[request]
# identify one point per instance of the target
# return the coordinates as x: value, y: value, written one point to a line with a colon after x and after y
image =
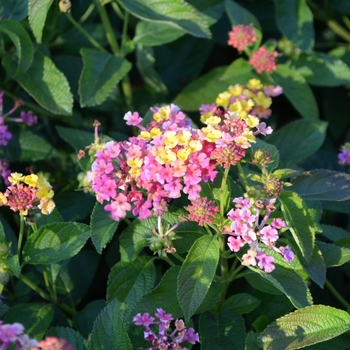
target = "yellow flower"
x: 31, y: 180
x: 155, y: 132
x: 211, y: 134
x: 205, y: 116
x: 163, y: 113
x: 44, y: 189
x: 261, y: 100
x: 223, y: 99
x: 183, y: 153
x: 195, y: 145
x: 16, y: 178
x: 251, y: 120
x: 145, y: 135
x: 170, y: 139
x: 235, y: 90
x: 214, y: 120
x: 254, y: 84
x: 184, y: 137
x: 46, y: 206
x: 165, y: 156
x: 135, y: 162
x: 3, y: 199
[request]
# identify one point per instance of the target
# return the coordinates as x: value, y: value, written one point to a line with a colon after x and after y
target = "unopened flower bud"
x: 65, y: 6
x: 261, y: 157
x: 273, y: 187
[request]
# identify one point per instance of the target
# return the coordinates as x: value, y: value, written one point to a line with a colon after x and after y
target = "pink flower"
x: 118, y: 207
x: 202, y: 211
x: 263, y: 60
x: 273, y: 91
x: 132, y: 119
x: 235, y: 244
x: 241, y: 36
x: 265, y: 262
x: 143, y: 320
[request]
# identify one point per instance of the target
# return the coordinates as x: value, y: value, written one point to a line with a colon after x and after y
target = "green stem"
x: 47, y: 284
x: 178, y: 257
x: 337, y: 295
x: 117, y: 10
x: 127, y: 221
x: 87, y: 13
x: 223, y: 193
x: 20, y: 236
x: 224, y: 270
x: 108, y: 28
x: 85, y: 33
x: 167, y: 259
x: 125, y: 32
x: 242, y: 176
x: 207, y: 229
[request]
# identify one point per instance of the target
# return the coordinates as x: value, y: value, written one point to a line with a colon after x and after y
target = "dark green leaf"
x: 334, y: 254
x: 12, y: 264
x: 334, y: 233
x: 299, y: 223
x: 308, y: 326
x: 45, y: 83
x: 14, y: 9
x: 297, y: 91
x: 109, y: 330
x: 101, y: 73
x: 22, y: 42
x: 55, y: 242
x: 197, y: 273
x: 238, y: 68
x: 298, y: 140
x: 176, y: 12
x: 325, y: 185
x: 295, y: 21
x: 102, y: 227
x: 35, y: 317
x: 241, y: 303
x: 225, y: 331
x: 316, y: 268
x: 37, y: 15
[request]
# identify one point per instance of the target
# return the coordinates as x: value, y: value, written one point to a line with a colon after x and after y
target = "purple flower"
x: 265, y: 262
x: 143, y: 320
x: 344, y: 157
x: 287, y: 253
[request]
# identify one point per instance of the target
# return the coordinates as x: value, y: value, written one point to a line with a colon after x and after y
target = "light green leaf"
x: 237, y: 15
x: 12, y: 264
x: 322, y: 70
x: 22, y: 42
x: 55, y: 242
x: 101, y: 73
x: 37, y: 15
x: 321, y: 184
x: 239, y: 67
x: 35, y: 317
x: 197, y: 273
x: 102, y: 227
x: 109, y: 330
x: 45, y: 83
x: 27, y: 146
x: 14, y: 9
x: 298, y: 140
x: 130, y: 281
x: 74, y: 338
x: 300, y: 224
x: 295, y: 21
x: 225, y: 331
x: 308, y: 326
x: 175, y: 12
x: 296, y: 89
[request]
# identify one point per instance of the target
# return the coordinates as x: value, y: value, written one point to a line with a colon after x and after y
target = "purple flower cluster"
x: 163, y: 340
x: 344, y: 155
x: 13, y: 334
x: 246, y: 228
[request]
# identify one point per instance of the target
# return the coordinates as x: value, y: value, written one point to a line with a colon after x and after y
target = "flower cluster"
x: 202, y: 210
x: 163, y: 340
x: 13, y: 334
x: 344, y: 155
x: 246, y: 229
x: 241, y: 36
x: 263, y: 60
x: 28, y: 192
x: 53, y: 343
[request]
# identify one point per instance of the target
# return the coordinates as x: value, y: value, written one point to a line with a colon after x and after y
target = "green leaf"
x: 300, y: 224
x: 321, y: 184
x: 55, y: 242
x: 14, y: 9
x: 316, y: 269
x: 2, y: 233
x: 298, y: 140
x: 322, y: 70
x: 27, y: 146
x: 156, y: 33
x: 297, y: 91
x: 109, y: 330
x: 130, y: 281
x: 197, y: 273
x: 334, y: 233
x: 73, y: 337
x: 102, y: 227
x: 295, y: 21
x: 308, y: 326
x: 289, y: 283
x: 84, y: 319
x: 225, y: 331
x: 241, y: 303
x: 35, y: 317
x: 37, y: 12
x: 163, y: 296
x: 237, y: 15
x: 239, y: 67
x: 45, y: 83
x: 145, y: 64
x: 22, y: 42
x: 101, y: 73
x: 334, y: 254
x: 12, y: 264
x: 176, y: 12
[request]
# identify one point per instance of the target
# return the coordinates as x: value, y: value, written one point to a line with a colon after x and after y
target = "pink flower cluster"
x: 13, y: 334
x: 162, y: 340
x: 241, y: 36
x: 53, y: 343
x: 344, y: 155
x: 202, y: 210
x: 263, y: 60
x: 246, y: 228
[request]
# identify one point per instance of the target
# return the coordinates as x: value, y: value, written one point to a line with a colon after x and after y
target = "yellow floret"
x: 261, y: 100
x: 135, y: 162
x: 170, y: 139
x: 235, y: 90
x: 31, y: 180
x: 183, y: 153
x: 251, y: 120
x: 184, y: 137
x: 195, y: 145
x: 162, y: 114
x: 145, y: 135
x: 211, y: 134
x: 214, y: 120
x: 254, y: 84
x: 44, y: 189
x: 223, y: 99
x: 155, y: 132
x: 16, y: 178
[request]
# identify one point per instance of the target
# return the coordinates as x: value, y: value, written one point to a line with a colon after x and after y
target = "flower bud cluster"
x: 28, y: 192
x: 161, y: 339
x: 247, y: 229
